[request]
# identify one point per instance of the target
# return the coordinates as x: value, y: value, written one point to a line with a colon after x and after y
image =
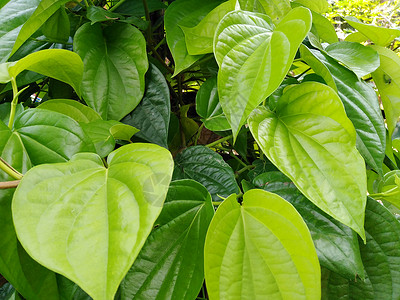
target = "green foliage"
x: 269, y: 124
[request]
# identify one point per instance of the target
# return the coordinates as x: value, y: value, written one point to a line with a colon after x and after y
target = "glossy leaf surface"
x: 387, y: 80
x: 381, y: 258
x: 358, y: 58
x: 276, y: 9
x: 324, y: 28
x: 115, y: 63
x: 12, y: 16
x: 199, y: 39
x: 361, y: 104
x: 104, y: 215
x: 388, y: 188
x: 181, y: 13
x: 209, y: 108
x: 174, y: 247
x: 57, y: 27
x: 260, y: 249
x: 336, y: 244
x: 311, y: 140
x: 381, y: 36
x: 151, y: 116
x: 99, y: 133
x: 208, y: 168
x: 244, y: 46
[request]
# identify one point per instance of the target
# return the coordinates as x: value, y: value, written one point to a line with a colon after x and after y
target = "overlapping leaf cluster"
x: 197, y: 150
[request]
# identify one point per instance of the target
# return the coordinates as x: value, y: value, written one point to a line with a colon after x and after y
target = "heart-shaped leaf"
x: 115, y: 63
x: 360, y: 59
x: 381, y: 258
x: 181, y: 13
x: 381, y: 36
x: 260, y: 249
x: 12, y: 16
x: 326, y: 168
x: 276, y: 9
x: 336, y: 244
x: 89, y: 222
x: 387, y: 80
x: 361, y: 104
x: 254, y: 58
x: 151, y: 116
x: 209, y: 108
x: 174, y: 247
x: 208, y: 168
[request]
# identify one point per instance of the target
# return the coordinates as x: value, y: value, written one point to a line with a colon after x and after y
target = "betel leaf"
x: 115, y: 63
x: 324, y: 28
x: 71, y: 108
x: 357, y: 37
x: 326, y: 168
x: 209, y: 108
x: 99, y: 133
x: 381, y: 258
x: 5, y: 109
x: 12, y: 16
x: 250, y: 5
x: 388, y: 188
x: 98, y: 14
x: 361, y: 104
x: 276, y: 9
x: 136, y: 8
x: 254, y: 58
x: 88, y: 222
x: 174, y: 247
x: 57, y: 27
x: 199, y: 39
x: 64, y: 137
x: 69, y: 290
x: 336, y: 244
x: 208, y: 168
x: 381, y: 36
x: 59, y: 64
x: 151, y: 116
x: 319, y: 6
x: 43, y: 12
x: 387, y: 80
x: 260, y: 249
x: 181, y: 13
x: 360, y: 59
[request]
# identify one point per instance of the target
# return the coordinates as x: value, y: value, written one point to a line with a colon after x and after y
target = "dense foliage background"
x: 186, y: 149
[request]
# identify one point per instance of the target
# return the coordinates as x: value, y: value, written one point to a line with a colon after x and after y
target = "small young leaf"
x: 89, y: 222
x: 174, y: 247
x: 326, y: 168
x: 260, y: 249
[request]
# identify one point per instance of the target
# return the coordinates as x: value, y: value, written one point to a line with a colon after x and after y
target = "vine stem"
x: 10, y: 170
x: 219, y: 141
x: 244, y: 169
x: 9, y: 184
x: 14, y: 102
x: 116, y: 5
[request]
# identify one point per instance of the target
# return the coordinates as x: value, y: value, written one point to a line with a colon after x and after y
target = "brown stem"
x: 9, y: 184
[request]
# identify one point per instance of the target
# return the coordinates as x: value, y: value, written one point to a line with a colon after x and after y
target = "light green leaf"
x: 89, y: 222
x: 43, y: 12
x: 326, y: 168
x: 99, y: 132
x: 324, y: 28
x: 59, y: 64
x: 151, y: 116
x: 209, y: 108
x: 276, y: 9
x: 356, y: 37
x: 12, y: 16
x: 250, y: 5
x: 115, y: 62
x: 123, y: 132
x: 319, y: 6
x: 181, y: 13
x: 387, y: 80
x: 244, y: 46
x: 361, y: 104
x: 71, y: 108
x: 336, y: 244
x: 64, y: 137
x: 174, y: 247
x: 57, y: 27
x: 388, y: 188
x: 199, y: 39
x: 358, y: 58
x: 381, y: 36
x: 208, y: 168
x: 260, y: 249
x: 381, y: 258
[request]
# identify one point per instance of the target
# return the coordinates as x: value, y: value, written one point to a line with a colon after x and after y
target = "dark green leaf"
x: 361, y: 104
x: 115, y: 62
x: 135, y: 8
x: 174, y: 247
x: 57, y: 27
x: 5, y: 109
x: 99, y: 14
x: 151, y: 116
x: 69, y: 290
x: 336, y: 244
x: 208, y: 168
